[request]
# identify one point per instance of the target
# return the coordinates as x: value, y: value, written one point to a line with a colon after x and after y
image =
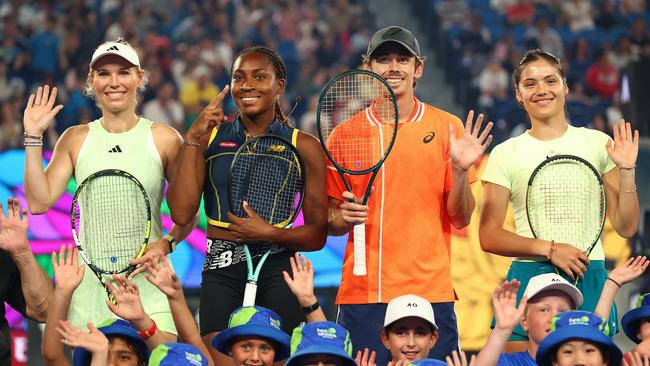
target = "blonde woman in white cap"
x: 119, y: 139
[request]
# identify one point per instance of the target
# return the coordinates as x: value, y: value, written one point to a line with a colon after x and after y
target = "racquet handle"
x: 359, y: 250
x: 250, y: 293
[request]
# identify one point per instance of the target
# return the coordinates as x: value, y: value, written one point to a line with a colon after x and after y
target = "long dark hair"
x: 280, y: 72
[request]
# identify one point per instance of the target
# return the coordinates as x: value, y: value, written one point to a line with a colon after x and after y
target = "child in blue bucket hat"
x: 177, y: 354
x: 325, y: 342
x: 636, y: 322
x: 253, y: 331
x: 578, y: 336
x: 114, y: 330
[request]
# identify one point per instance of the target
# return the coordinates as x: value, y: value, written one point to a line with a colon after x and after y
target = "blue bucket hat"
x: 254, y: 321
x: 428, y: 362
x: 581, y: 325
x: 110, y: 327
x: 172, y: 354
x: 632, y: 319
x: 321, y: 338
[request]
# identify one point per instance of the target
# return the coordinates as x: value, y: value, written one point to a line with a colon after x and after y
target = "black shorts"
x: 222, y: 291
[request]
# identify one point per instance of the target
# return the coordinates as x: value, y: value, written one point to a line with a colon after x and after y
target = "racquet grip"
x: 249, y: 294
x: 359, y: 250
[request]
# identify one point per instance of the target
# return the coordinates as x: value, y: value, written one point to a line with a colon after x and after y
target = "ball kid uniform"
x: 135, y: 152
x: 510, y: 165
x: 225, y: 270
x: 407, y: 231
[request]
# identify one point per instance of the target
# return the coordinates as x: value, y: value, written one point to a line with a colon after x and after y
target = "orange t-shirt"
x: 408, y: 230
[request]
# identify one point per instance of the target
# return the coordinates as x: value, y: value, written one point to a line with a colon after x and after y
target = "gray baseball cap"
x: 394, y: 34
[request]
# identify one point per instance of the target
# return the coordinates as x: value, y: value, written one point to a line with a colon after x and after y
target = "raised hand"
x: 68, y: 273
x: 635, y: 359
x: 13, y: 228
x: 467, y: 149
x: 504, y: 301
x: 127, y: 296
x: 570, y: 260
x: 630, y: 270
x: 164, y: 278
x: 456, y: 360
x: 302, y: 283
x: 94, y: 341
x: 40, y: 111
x: 251, y: 229
x: 365, y: 359
x: 625, y: 148
x: 210, y: 117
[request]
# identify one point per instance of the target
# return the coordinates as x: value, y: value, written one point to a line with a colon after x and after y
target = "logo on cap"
x: 412, y: 304
x: 329, y: 333
x: 113, y: 48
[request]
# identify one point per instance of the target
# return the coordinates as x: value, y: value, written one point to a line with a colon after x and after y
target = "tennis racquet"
x: 565, y: 202
x: 357, y: 125
x: 111, y: 222
x: 268, y: 173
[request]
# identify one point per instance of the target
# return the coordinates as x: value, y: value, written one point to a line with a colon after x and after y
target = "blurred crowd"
x: 186, y: 47
x: 481, y: 41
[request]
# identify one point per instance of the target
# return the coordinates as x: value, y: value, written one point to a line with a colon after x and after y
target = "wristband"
x: 616, y: 283
x: 311, y: 308
x: 171, y: 241
x: 189, y: 143
x: 34, y: 137
x: 145, y: 334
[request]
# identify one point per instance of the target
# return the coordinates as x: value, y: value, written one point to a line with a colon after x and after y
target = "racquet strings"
x: 361, y: 143
x: 267, y: 175
x: 110, y: 217
x: 566, y: 203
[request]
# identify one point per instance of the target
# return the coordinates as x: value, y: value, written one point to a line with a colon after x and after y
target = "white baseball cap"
x: 553, y: 281
x: 121, y: 49
x: 409, y: 305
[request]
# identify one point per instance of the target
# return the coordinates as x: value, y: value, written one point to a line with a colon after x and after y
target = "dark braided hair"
x: 280, y: 72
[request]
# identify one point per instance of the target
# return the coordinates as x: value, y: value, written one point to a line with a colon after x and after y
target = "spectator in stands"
x: 632, y: 7
x: 622, y: 53
x: 165, y: 108
x: 77, y: 108
x: 522, y: 12
x: 493, y: 83
x: 579, y: 60
x: 24, y: 285
x: 545, y: 37
x: 44, y: 48
x: 639, y: 38
x: 198, y: 91
x: 602, y: 77
x: 607, y: 16
x: 579, y: 15
x: 453, y: 13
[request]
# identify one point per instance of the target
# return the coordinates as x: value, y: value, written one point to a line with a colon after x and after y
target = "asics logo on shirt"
x: 116, y: 149
x: 429, y: 137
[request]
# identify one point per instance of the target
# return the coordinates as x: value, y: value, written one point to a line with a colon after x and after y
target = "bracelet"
x: 616, y: 283
x: 628, y: 167
x: 190, y: 143
x: 35, y: 137
x: 550, y: 252
x: 171, y: 241
x: 311, y: 308
x: 633, y: 190
x: 32, y: 143
x: 149, y: 332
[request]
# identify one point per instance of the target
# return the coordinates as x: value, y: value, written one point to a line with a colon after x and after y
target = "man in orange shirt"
x: 421, y: 190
